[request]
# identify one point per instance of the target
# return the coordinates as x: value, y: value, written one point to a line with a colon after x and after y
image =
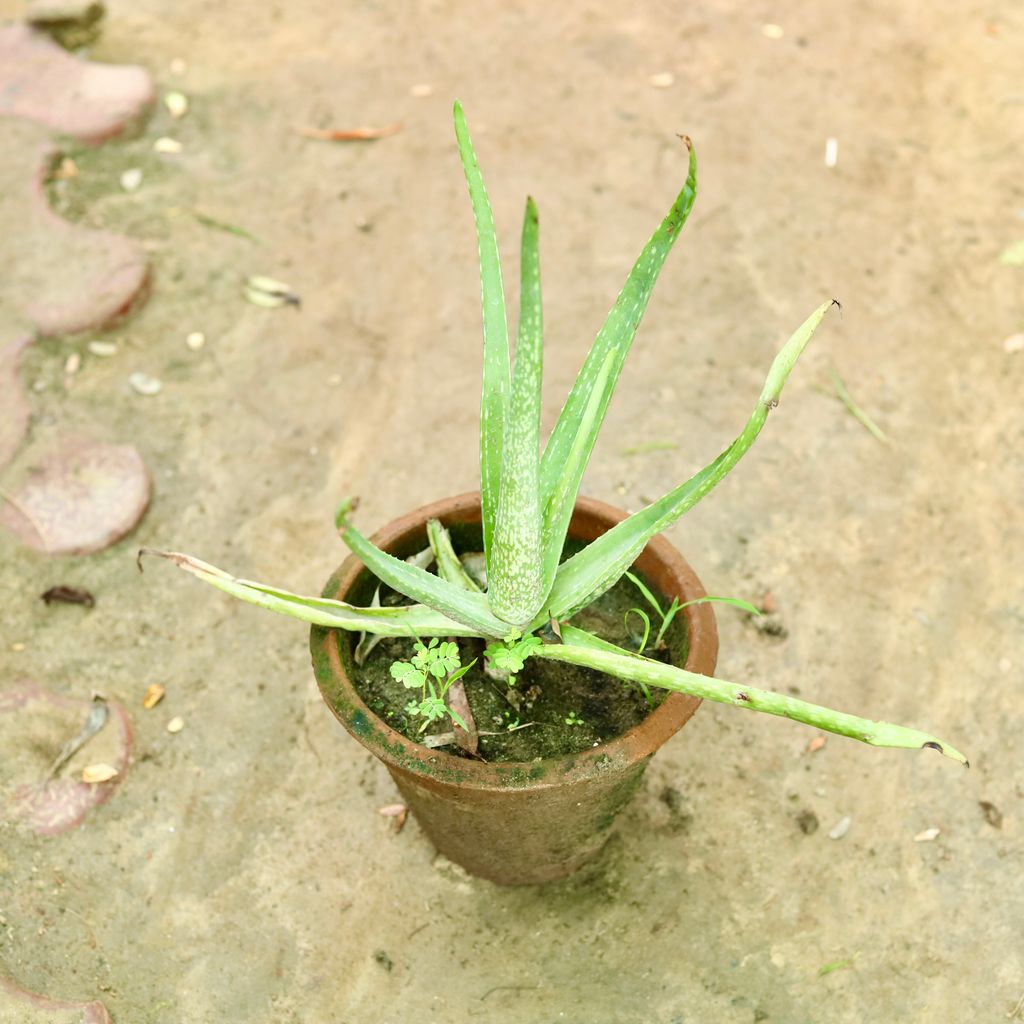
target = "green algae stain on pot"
x: 360, y: 725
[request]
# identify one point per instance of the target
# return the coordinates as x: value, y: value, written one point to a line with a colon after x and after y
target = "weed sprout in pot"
x: 515, y: 657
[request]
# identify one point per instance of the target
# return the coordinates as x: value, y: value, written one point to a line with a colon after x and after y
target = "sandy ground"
x: 242, y: 872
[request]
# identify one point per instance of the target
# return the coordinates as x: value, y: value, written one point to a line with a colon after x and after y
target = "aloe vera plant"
x: 528, y: 495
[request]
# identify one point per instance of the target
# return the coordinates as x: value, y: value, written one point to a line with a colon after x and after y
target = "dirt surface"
x: 242, y: 872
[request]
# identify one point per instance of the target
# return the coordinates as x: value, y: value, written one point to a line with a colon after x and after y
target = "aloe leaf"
x: 406, y: 620
x: 496, y: 355
x: 515, y: 592
x: 578, y: 649
x: 448, y: 565
x: 589, y: 573
x: 471, y: 609
x: 614, y: 339
x: 560, y: 504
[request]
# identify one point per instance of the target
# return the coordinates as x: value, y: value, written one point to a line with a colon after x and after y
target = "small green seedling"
x: 528, y: 495
x: 573, y: 719
x: 666, y: 617
x: 432, y: 669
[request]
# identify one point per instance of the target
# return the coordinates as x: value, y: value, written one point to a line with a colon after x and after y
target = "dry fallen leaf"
x: 349, y: 134
x: 816, y: 744
x: 154, y: 694
x: 99, y: 773
x: 176, y: 724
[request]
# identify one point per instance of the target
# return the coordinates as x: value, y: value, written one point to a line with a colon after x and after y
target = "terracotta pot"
x: 514, y: 823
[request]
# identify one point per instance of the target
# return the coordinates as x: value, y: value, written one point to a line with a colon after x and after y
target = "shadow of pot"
x: 515, y: 823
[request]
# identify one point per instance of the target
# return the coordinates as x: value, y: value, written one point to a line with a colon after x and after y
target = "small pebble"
x: 103, y: 349
x: 176, y: 724
x: 927, y: 835
x: 1005, y: 665
x: 131, y: 179
x: 662, y: 80
x: 67, y: 169
x: 922, y: 616
x: 176, y: 104
x: 94, y: 773
x: 166, y: 145
x: 831, y: 152
x: 1014, y: 343
x: 72, y: 364
x: 17, y: 646
x: 196, y: 340
x: 772, y: 31
x: 841, y: 827
x: 144, y: 384
x: 178, y: 66
x: 421, y: 89
x: 334, y: 379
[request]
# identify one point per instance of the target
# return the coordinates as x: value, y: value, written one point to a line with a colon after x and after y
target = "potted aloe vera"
x: 463, y: 625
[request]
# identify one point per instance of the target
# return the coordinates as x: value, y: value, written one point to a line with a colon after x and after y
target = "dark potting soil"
x: 554, y: 709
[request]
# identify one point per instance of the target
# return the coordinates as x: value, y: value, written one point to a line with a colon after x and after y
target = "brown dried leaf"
x: 350, y: 134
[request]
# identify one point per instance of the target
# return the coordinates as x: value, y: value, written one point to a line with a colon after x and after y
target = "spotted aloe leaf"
x: 588, y: 574
x: 496, y: 353
x: 516, y: 594
x: 580, y: 648
x: 568, y: 449
x: 405, y: 620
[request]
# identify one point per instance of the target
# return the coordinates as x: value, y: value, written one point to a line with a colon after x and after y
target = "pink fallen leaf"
x: 816, y: 743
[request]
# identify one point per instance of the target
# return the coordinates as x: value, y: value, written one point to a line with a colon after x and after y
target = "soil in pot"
x: 554, y: 709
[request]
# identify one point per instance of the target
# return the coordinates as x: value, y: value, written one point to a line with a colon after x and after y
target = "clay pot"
x: 513, y: 823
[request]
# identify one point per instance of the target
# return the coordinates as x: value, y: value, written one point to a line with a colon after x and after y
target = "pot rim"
x: 636, y: 744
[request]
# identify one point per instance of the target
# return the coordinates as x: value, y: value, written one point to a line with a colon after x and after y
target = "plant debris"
x: 222, y: 225
x: 841, y: 827
x: 265, y: 291
x: 195, y: 341
x: 349, y: 134
x: 103, y: 349
x: 144, y: 384
x: 855, y: 410
x: 992, y: 814
x: 468, y: 738
x: 154, y: 694
x: 397, y: 812
x: 176, y: 724
x: 927, y: 836
x: 167, y: 145
x: 95, y: 720
x: 94, y: 773
x: 836, y: 965
x: 68, y: 595
x: 817, y: 742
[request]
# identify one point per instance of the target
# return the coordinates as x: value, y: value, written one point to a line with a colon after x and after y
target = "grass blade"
x: 496, y: 355
x: 407, y: 620
x: 588, y: 574
x: 471, y: 609
x: 448, y: 565
x: 515, y: 593
x: 578, y: 649
x: 613, y: 340
x: 854, y: 409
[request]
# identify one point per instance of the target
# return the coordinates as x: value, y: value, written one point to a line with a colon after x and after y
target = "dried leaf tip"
x: 687, y: 141
x: 345, y: 508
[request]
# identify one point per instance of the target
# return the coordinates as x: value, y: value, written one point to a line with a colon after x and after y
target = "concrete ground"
x: 241, y: 871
